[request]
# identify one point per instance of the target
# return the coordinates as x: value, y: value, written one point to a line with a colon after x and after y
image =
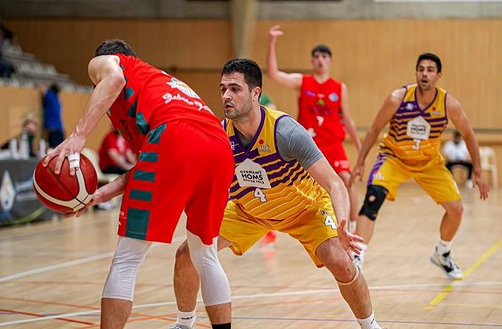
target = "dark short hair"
x: 114, y: 46
x: 54, y: 87
x: 250, y: 70
x: 321, y: 49
x: 431, y: 57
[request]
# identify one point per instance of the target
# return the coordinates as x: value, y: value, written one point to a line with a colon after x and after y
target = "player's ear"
x: 256, y: 93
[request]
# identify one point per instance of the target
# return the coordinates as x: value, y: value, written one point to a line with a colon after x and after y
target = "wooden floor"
x: 51, y: 274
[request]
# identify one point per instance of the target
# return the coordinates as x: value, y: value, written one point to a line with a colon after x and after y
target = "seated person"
x: 31, y: 128
x: 456, y: 154
x: 115, y: 155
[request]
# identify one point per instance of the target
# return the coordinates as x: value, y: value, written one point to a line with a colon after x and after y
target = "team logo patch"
x: 333, y: 97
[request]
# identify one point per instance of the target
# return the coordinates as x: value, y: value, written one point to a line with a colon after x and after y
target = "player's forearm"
x: 472, y: 146
x: 272, y: 66
x: 369, y: 141
x: 351, y: 130
x: 116, y: 187
x: 102, y: 98
x: 340, y: 199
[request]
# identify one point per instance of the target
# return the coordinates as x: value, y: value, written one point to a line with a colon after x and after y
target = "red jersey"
x: 320, y: 110
x: 152, y: 97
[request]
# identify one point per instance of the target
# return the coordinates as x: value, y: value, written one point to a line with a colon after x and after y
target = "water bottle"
x: 24, y: 149
x: 42, y: 148
x: 13, y: 148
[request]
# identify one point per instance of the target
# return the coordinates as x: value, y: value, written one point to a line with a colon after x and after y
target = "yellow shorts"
x: 435, y: 179
x: 311, y: 227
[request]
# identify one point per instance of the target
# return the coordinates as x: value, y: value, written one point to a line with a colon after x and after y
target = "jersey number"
x: 258, y: 193
x: 328, y: 221
x: 320, y: 120
x: 416, y: 146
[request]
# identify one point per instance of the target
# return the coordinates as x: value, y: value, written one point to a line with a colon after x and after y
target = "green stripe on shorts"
x: 146, y: 176
x: 141, y: 195
x: 149, y: 157
x: 154, y: 135
x: 137, y: 223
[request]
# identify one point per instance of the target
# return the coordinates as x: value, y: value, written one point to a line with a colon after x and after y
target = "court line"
x: 41, y: 315
x: 56, y: 266
x: 449, y: 288
x: 249, y: 296
x: 456, y: 324
x: 69, y: 264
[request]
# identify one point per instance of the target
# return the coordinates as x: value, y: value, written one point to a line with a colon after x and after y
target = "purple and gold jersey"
x: 414, y: 134
x: 266, y: 186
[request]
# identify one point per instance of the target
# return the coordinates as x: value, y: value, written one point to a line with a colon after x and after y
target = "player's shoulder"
x: 397, y: 95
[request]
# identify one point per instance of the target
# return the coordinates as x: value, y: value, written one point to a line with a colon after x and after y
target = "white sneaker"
x: 181, y: 326
x: 446, y: 263
x: 358, y: 261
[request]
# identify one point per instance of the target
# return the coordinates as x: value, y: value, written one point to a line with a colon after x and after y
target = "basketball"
x: 65, y: 193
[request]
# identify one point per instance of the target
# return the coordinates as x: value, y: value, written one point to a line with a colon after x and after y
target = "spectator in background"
x: 115, y: 155
x: 53, y: 123
x: 6, y: 68
x: 30, y: 127
x: 456, y: 154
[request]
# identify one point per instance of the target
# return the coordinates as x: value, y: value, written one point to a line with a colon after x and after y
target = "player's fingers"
x: 59, y: 163
x: 49, y: 157
x: 356, y: 238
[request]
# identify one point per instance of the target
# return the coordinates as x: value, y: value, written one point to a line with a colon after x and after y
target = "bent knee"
x: 455, y: 209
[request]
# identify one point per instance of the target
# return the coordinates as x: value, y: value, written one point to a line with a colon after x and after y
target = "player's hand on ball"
x: 70, y: 146
x: 348, y: 241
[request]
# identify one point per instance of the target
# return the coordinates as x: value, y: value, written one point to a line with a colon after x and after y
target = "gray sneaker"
x: 181, y: 326
x: 446, y: 263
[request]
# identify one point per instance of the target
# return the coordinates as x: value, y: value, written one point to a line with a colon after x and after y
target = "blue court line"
x: 455, y: 324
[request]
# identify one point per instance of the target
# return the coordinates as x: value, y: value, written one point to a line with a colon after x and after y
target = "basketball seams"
x: 76, y: 200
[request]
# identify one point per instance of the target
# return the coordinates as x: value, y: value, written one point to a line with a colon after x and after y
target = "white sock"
x: 369, y: 322
x: 443, y: 247
x: 363, y: 247
x: 186, y: 318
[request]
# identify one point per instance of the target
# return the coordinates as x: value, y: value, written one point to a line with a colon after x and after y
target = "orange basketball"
x: 65, y: 193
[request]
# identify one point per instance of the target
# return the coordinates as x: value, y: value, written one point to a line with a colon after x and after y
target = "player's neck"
x: 321, y: 77
x: 249, y: 125
x: 426, y: 96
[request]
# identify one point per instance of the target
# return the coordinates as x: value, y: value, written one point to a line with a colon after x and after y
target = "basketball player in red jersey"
x: 323, y: 109
x: 185, y: 163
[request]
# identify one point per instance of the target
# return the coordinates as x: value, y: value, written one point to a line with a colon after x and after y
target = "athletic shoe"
x: 181, y: 326
x: 268, y: 241
x: 446, y: 263
x: 358, y: 261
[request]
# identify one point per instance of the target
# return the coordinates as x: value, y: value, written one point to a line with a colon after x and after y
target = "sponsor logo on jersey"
x: 183, y: 87
x: 263, y: 146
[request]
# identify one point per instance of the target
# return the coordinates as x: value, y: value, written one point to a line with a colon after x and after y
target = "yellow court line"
x: 446, y: 290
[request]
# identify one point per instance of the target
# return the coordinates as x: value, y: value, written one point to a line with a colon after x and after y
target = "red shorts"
x: 181, y: 167
x: 336, y: 156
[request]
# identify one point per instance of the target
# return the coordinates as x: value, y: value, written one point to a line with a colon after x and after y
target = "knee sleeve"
x: 121, y: 279
x: 375, y: 196
x: 213, y: 280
